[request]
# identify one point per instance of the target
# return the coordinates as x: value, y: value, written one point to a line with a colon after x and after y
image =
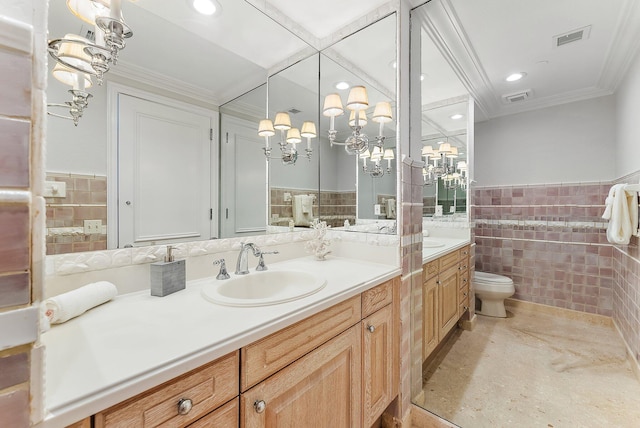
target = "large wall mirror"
x: 360, y: 184
x: 172, y: 76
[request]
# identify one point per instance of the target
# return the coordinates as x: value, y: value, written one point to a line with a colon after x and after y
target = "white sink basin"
x: 431, y: 243
x: 263, y: 288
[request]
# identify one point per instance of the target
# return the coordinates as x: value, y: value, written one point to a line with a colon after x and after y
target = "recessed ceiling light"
x: 457, y: 116
x: 514, y: 77
x: 342, y: 85
x: 205, y: 7
x: 422, y: 76
x: 393, y: 64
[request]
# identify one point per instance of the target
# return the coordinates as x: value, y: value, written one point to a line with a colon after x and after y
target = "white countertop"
x: 138, y: 341
x: 450, y: 244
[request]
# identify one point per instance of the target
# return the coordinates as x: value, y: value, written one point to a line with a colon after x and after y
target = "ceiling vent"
x: 517, y: 97
x: 572, y: 36
x: 294, y: 110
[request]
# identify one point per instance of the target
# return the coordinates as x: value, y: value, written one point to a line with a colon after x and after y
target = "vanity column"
x: 22, y: 66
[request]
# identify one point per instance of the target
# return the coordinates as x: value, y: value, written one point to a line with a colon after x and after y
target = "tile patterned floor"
x: 534, y: 370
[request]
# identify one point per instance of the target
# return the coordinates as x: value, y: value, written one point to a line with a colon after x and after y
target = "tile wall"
x: 551, y: 240
x: 21, y: 210
x: 85, y: 199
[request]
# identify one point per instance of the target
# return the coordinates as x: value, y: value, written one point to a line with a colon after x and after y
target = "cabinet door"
x: 430, y: 324
x: 377, y: 363
x: 223, y: 417
x: 321, y: 389
x: 448, y: 292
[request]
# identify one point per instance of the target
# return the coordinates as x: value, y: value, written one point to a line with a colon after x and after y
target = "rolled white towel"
x: 69, y: 305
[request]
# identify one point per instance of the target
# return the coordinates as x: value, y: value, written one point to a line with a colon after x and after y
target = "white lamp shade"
x: 71, y: 77
x: 366, y: 154
x: 73, y: 53
x: 462, y: 165
x: 382, y: 112
x: 283, y: 121
x: 362, y: 118
x: 308, y: 130
x: 453, y: 153
x: 358, y: 98
x: 293, y: 136
x: 265, y: 128
x: 388, y: 154
x: 377, y: 153
x: 88, y: 10
x: 427, y: 151
x: 332, y: 105
x: 444, y: 148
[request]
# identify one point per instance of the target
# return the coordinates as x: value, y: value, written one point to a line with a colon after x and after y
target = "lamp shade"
x: 293, y: 136
x: 444, y: 148
x: 88, y: 10
x: 388, y: 154
x: 462, y: 165
x: 453, y: 153
x: 377, y: 153
x: 366, y: 154
x: 362, y: 118
x: 265, y: 128
x: 71, y: 52
x: 382, y: 112
x: 283, y: 121
x: 358, y: 98
x: 308, y: 130
x: 427, y: 151
x: 71, y: 77
x: 332, y: 105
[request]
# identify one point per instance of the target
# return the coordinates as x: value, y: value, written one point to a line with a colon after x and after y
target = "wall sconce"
x: 443, y: 166
x: 289, y: 139
x: 85, y: 57
x: 357, y: 102
x: 376, y: 157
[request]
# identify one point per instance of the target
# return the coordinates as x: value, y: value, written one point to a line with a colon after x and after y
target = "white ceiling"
x: 480, y: 41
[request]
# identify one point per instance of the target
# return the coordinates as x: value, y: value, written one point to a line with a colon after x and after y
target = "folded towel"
x: 622, y: 213
x: 69, y: 305
x: 307, y: 204
x: 302, y: 210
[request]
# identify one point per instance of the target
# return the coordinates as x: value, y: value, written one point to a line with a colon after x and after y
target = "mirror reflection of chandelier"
x: 289, y: 137
x: 377, y: 156
x: 444, y: 166
x: 357, y: 103
x: 78, y: 58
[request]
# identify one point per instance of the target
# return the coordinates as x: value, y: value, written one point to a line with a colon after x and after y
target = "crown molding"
x: 624, y: 47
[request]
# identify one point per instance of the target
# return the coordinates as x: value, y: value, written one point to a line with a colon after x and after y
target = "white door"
x: 243, y: 189
x: 164, y: 174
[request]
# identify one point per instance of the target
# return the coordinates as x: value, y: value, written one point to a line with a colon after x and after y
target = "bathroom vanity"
x: 330, y: 358
x: 445, y: 293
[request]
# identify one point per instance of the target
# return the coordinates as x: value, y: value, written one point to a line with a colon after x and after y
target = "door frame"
x: 113, y: 91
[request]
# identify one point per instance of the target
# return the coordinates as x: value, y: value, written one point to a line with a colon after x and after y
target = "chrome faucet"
x: 242, y: 266
x: 391, y: 229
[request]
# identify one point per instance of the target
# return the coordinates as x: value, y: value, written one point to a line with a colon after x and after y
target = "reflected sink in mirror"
x: 431, y: 243
x: 262, y: 288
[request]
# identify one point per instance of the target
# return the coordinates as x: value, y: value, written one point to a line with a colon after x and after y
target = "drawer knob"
x: 464, y: 294
x: 259, y: 405
x: 184, y: 406
x: 371, y: 329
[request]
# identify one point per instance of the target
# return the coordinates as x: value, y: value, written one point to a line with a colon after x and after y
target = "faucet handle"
x: 223, y: 274
x: 261, y: 266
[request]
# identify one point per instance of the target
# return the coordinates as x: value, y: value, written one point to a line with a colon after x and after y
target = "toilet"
x: 491, y: 290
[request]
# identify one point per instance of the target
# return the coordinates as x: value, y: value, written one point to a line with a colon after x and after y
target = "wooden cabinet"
x: 337, y: 368
x: 444, y: 288
x: 321, y: 389
x: 378, y: 361
x: 180, y: 401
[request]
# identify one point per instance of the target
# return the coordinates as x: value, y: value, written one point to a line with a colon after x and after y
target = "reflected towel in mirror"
x: 303, y: 210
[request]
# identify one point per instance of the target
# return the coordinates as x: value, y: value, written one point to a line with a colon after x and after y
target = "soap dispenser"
x: 168, y: 276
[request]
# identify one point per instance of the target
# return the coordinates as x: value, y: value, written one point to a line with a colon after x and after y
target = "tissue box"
x: 168, y: 277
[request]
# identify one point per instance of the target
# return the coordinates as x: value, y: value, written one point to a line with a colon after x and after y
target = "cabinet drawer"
x: 449, y: 260
x: 465, y: 252
x: 464, y: 305
x: 207, y: 387
x: 224, y: 417
x: 464, y: 279
x: 429, y: 270
x: 376, y: 298
x: 266, y: 356
x: 464, y: 294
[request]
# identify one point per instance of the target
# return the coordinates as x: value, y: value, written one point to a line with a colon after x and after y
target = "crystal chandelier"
x: 377, y: 156
x: 85, y: 58
x: 289, y: 137
x: 357, y: 103
x: 443, y: 165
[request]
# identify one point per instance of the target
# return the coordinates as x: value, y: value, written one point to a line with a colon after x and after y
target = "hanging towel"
x: 622, y: 212
x: 302, y: 210
x: 69, y: 305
